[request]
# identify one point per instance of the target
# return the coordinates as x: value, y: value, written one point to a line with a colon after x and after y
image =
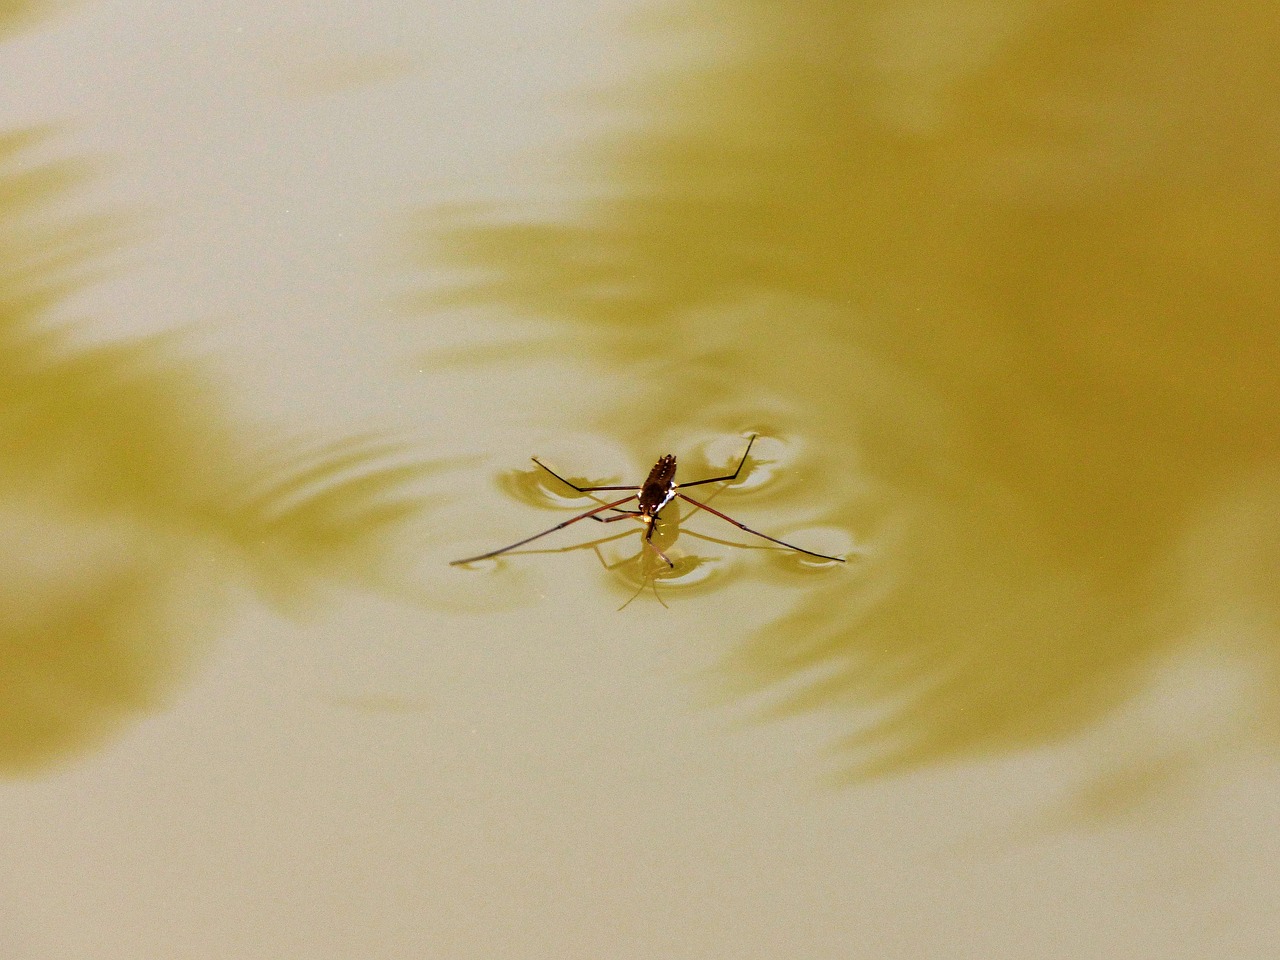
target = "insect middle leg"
x: 727, y: 476
x: 570, y: 483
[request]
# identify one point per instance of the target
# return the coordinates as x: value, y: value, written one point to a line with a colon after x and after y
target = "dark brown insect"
x: 658, y: 490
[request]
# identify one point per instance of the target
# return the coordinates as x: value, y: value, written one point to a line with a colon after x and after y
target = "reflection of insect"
x: 658, y: 490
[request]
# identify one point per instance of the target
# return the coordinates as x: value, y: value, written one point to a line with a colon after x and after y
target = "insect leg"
x: 727, y: 476
x: 559, y: 526
x: 574, y: 485
x: 743, y: 526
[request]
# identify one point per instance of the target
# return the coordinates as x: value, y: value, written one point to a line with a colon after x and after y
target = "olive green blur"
x: 130, y: 501
x: 1011, y: 270
x: 14, y: 14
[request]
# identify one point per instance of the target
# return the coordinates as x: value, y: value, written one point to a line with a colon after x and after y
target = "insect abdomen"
x: 663, y: 472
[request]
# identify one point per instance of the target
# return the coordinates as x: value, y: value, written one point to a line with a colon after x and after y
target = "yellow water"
x: 1009, y: 278
x: 992, y: 283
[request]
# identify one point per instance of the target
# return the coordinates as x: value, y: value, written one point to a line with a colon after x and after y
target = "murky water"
x: 290, y: 299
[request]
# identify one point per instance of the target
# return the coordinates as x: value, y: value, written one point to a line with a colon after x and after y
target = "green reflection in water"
x: 129, y: 500
x: 16, y: 13
x: 1011, y: 268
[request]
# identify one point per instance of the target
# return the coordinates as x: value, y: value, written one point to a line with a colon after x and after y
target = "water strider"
x: 658, y: 490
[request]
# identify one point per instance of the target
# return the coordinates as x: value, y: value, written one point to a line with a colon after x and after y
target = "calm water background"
x: 290, y: 296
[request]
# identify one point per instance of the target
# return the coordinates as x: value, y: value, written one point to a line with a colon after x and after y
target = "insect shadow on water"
x: 658, y: 490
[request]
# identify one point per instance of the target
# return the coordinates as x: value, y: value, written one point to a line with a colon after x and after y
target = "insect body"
x: 658, y: 490
x: 659, y: 487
